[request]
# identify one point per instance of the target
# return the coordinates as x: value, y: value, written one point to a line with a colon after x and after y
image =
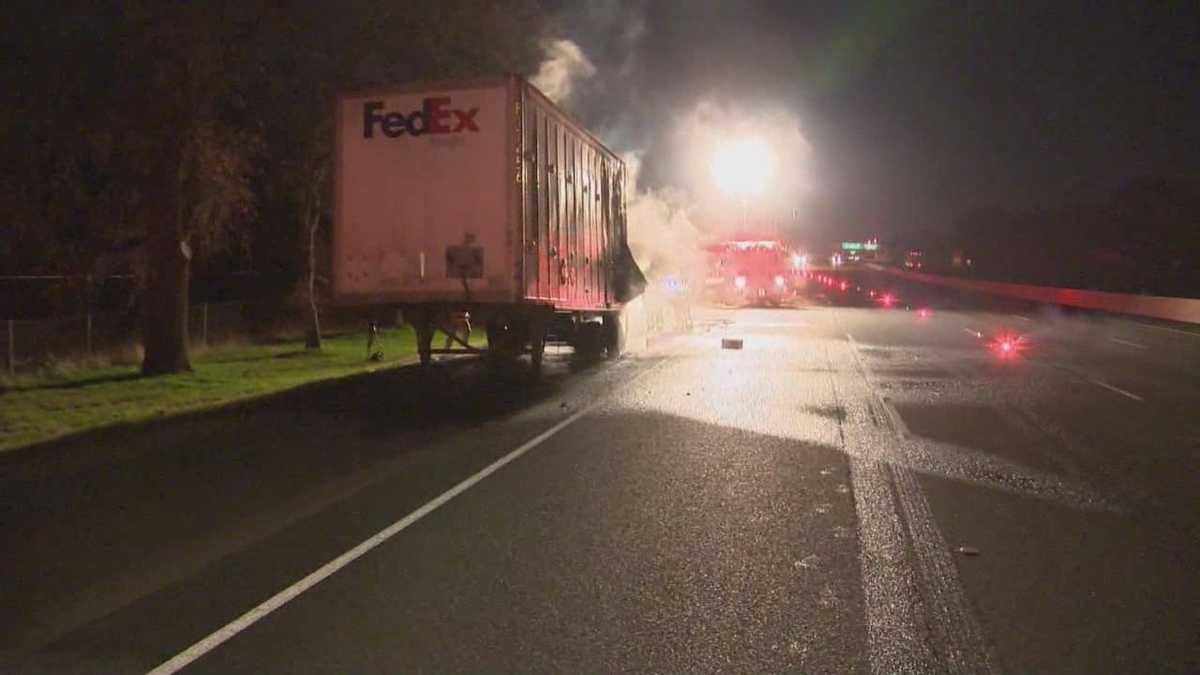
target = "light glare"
x: 743, y: 167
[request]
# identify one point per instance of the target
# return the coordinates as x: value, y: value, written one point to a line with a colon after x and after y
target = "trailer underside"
x: 513, y: 330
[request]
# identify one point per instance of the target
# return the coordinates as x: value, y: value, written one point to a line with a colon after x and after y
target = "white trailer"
x: 481, y: 196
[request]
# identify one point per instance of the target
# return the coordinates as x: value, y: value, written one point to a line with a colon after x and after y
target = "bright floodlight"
x: 743, y: 167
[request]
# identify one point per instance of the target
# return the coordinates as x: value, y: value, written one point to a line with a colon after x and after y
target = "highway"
x: 859, y: 488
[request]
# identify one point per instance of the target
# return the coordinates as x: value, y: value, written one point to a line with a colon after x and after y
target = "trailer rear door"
x: 423, y: 194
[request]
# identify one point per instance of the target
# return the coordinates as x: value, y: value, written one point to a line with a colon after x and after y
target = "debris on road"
x: 731, y: 343
x: 810, y: 561
x: 968, y: 550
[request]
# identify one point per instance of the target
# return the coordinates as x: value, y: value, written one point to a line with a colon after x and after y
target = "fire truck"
x: 750, y: 272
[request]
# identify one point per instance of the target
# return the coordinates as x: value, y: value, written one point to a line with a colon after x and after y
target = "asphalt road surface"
x: 859, y: 488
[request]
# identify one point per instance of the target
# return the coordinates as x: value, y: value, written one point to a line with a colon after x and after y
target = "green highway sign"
x: 859, y: 246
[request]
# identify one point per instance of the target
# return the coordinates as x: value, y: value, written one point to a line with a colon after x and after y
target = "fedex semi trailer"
x: 481, y: 197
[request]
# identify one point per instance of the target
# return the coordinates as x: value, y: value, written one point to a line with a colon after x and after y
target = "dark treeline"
x: 1141, y: 238
x: 168, y: 139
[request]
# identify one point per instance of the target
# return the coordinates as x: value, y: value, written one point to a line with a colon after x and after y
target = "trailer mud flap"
x: 628, y: 282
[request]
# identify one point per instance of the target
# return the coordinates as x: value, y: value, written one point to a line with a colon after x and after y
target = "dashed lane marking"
x: 1166, y: 328
x: 1127, y: 343
x: 1126, y: 394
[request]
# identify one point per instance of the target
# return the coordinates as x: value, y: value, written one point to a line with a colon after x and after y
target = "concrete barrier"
x: 1184, y: 310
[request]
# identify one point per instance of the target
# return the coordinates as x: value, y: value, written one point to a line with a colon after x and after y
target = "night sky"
x: 914, y: 111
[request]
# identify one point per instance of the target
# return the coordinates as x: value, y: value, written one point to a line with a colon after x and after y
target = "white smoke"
x: 671, y: 224
x: 662, y: 237
x: 564, y: 67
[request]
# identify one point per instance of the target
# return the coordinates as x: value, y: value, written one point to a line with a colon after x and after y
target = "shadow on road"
x: 97, y: 504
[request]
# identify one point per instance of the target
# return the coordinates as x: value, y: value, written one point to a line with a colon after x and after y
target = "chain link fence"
x: 30, y: 343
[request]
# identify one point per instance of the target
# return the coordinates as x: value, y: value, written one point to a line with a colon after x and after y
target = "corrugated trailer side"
x: 573, y: 210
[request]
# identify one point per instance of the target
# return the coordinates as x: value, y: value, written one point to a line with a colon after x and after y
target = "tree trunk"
x: 167, y: 261
x: 312, y: 339
x: 165, y: 310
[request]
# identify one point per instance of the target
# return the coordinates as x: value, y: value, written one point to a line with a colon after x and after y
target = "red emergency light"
x: 1007, y: 346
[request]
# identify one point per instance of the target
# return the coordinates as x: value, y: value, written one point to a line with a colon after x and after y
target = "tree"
x: 175, y: 121
x: 313, y: 50
x: 144, y: 133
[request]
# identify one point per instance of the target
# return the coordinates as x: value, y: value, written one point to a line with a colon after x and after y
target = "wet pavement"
x: 856, y: 489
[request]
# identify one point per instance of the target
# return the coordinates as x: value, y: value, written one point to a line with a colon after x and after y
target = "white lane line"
x: 1023, y: 317
x: 1127, y: 343
x: 895, y: 621
x: 1166, y: 328
x: 229, y: 630
x: 746, y: 324
x: 897, y: 422
x: 972, y: 332
x: 946, y: 610
x: 895, y: 615
x: 950, y: 615
x: 1126, y: 394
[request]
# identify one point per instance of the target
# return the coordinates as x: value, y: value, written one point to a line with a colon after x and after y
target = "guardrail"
x: 1184, y: 310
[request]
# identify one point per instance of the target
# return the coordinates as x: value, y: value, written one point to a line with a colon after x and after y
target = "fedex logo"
x: 434, y: 117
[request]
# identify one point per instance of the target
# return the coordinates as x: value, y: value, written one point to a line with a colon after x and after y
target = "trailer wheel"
x: 537, y: 341
x: 537, y: 351
x: 589, y: 340
x: 613, y: 341
x: 506, y: 337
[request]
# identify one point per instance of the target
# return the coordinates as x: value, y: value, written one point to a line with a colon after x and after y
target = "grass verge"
x: 43, y: 406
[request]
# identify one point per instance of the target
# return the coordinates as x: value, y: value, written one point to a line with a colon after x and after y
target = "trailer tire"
x: 614, y: 339
x: 589, y: 340
x: 506, y: 337
x: 538, y: 324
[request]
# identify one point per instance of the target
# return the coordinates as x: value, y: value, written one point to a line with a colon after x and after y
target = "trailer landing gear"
x: 514, y: 331
x: 423, y: 327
